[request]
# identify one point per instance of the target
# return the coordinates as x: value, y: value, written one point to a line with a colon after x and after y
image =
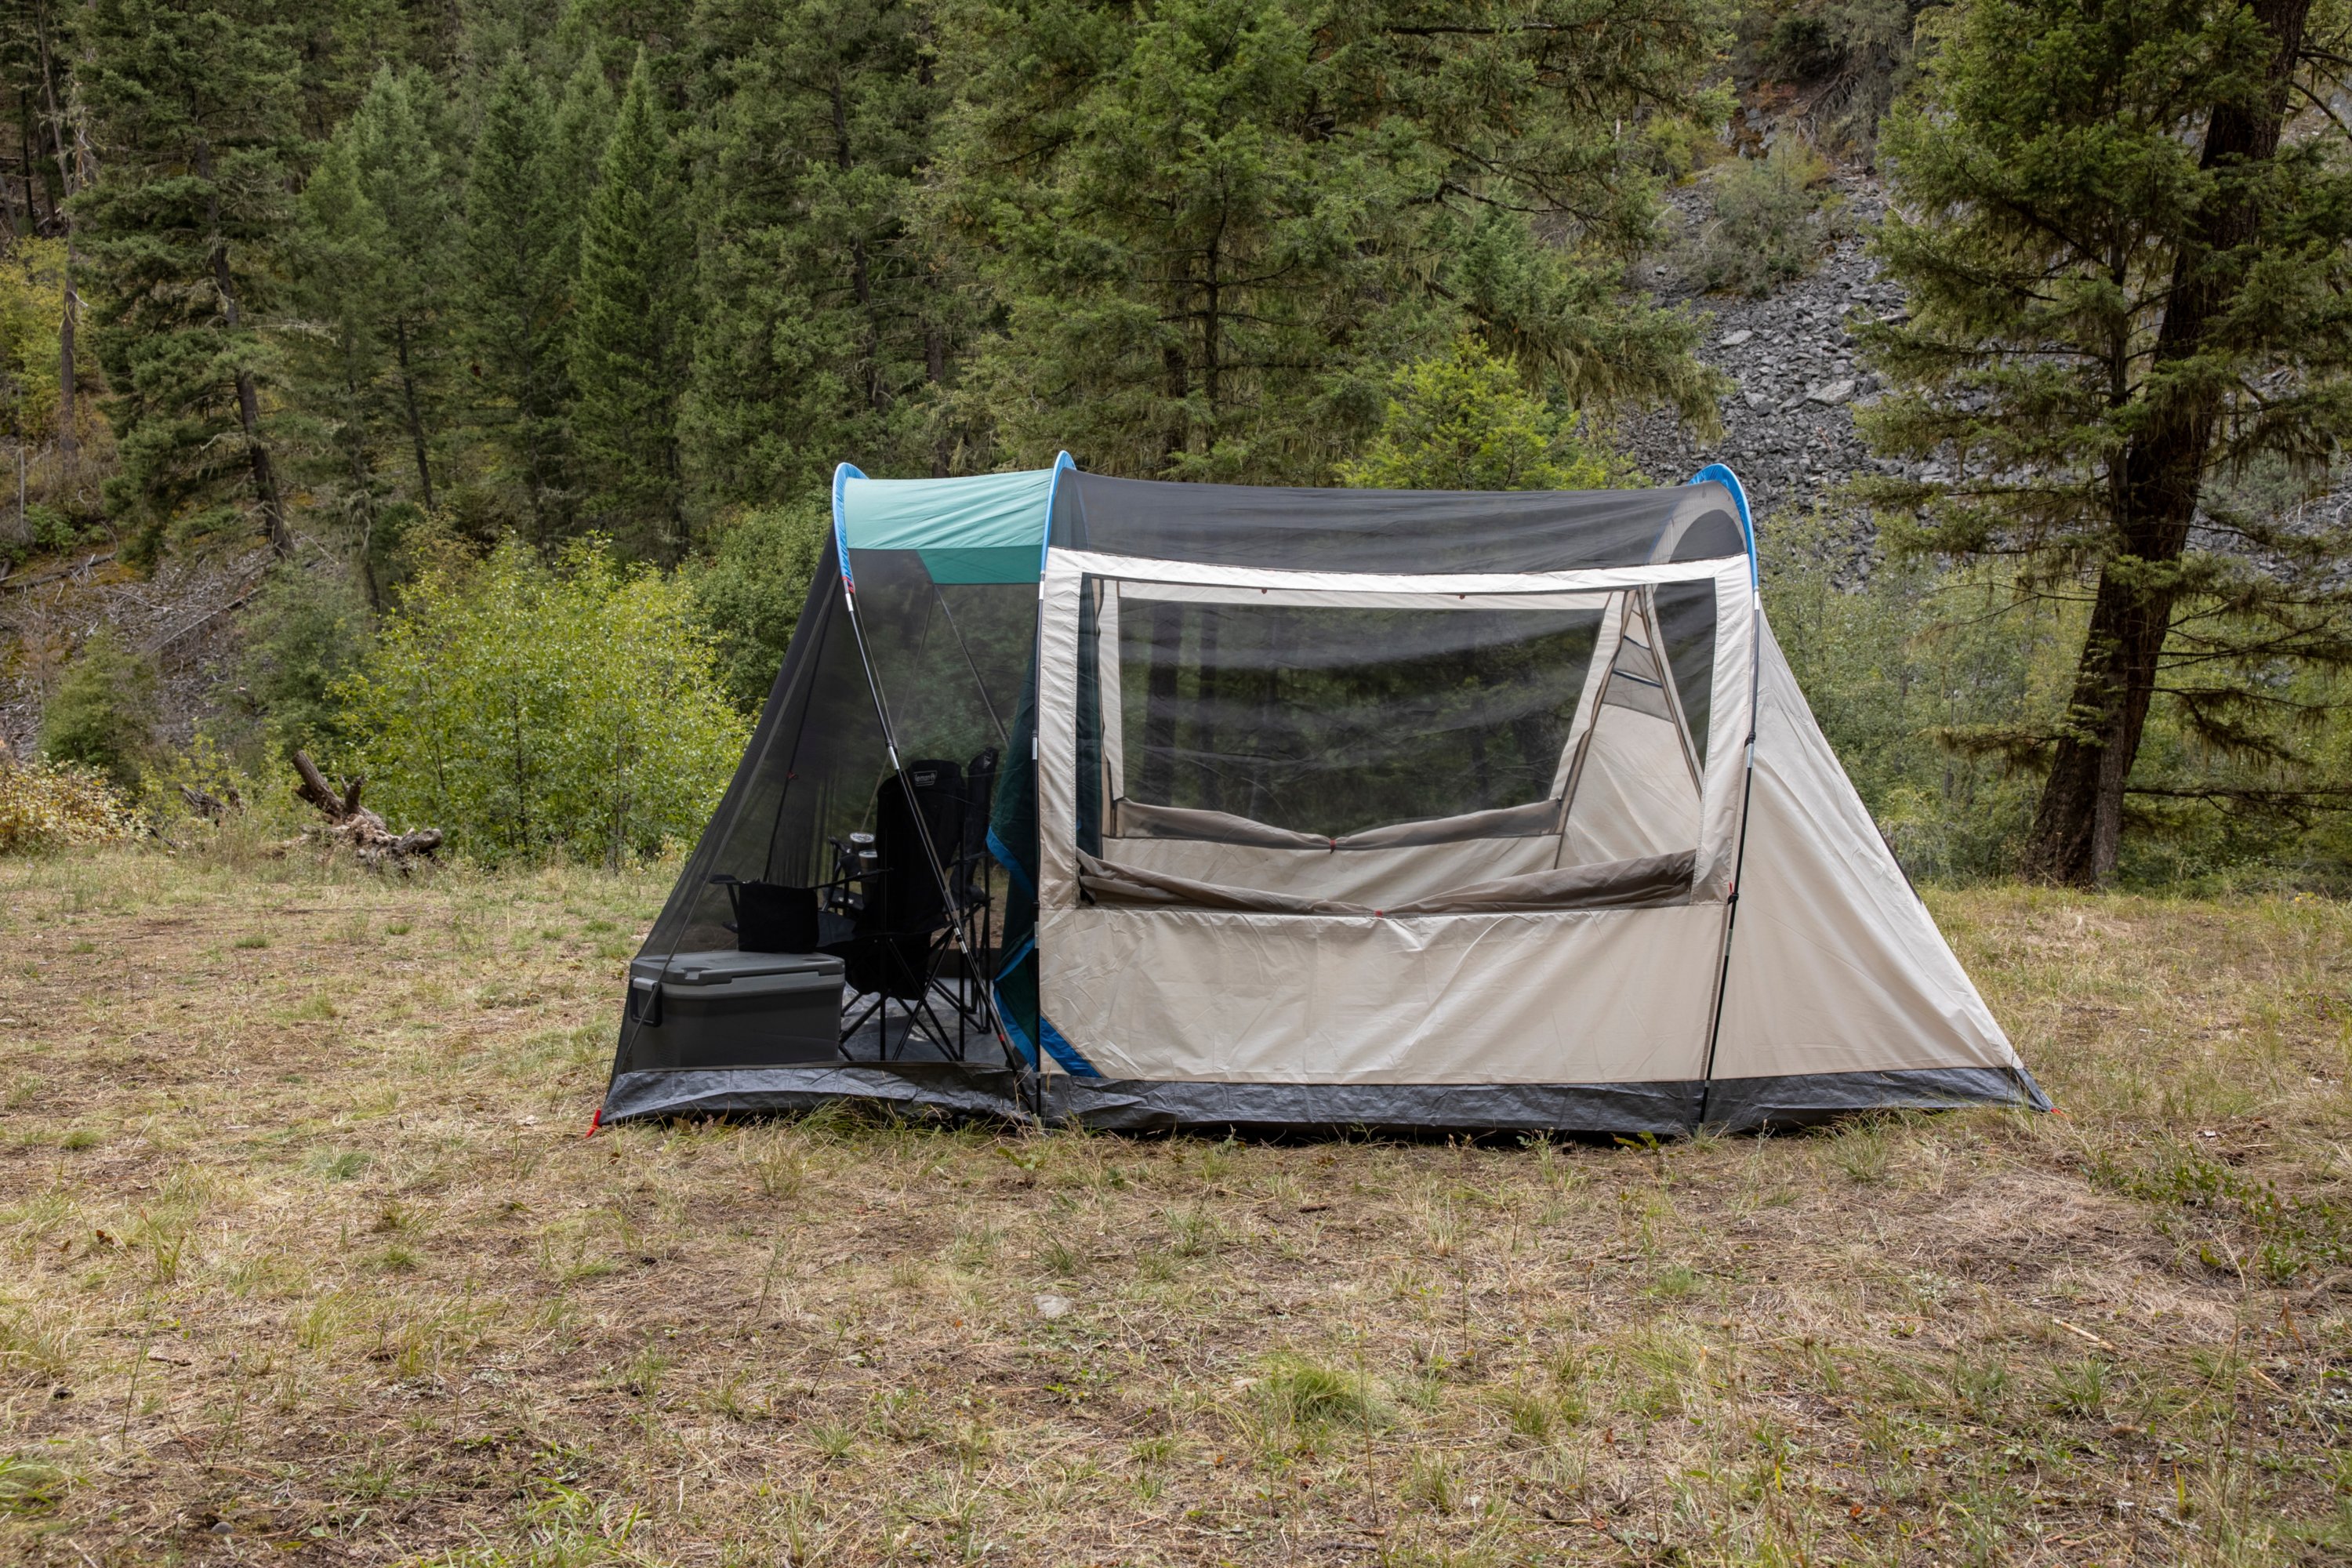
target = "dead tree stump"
x: 353, y: 826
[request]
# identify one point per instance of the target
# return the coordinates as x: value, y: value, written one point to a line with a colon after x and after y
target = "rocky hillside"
x: 1788, y: 425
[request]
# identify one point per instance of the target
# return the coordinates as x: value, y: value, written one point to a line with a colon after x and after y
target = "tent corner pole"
x: 1720, y: 474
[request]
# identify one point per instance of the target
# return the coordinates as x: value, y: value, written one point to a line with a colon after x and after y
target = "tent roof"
x: 992, y: 528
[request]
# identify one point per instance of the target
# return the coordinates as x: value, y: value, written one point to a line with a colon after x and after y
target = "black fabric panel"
x: 1743, y: 1104
x: 1653, y: 881
x: 1129, y: 1106
x: 954, y: 1088
x: 1375, y: 530
x: 695, y: 915
x: 1663, y: 1108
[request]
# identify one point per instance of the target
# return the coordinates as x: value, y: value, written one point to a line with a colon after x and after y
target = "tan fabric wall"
x: 1598, y: 996
x: 1584, y: 996
x: 1835, y: 965
x: 1633, y: 795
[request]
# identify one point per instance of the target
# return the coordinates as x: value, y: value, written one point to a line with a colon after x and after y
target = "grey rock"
x: 1834, y: 392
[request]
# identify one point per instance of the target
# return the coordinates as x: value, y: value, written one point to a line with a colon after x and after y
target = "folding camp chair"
x: 910, y: 900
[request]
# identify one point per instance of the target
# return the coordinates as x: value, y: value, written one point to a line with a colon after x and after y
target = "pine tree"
x: 520, y: 239
x: 372, y: 278
x: 583, y: 126
x: 628, y: 345
x: 402, y: 175
x: 2128, y: 286
x: 825, y: 319
x: 344, y: 267
x: 1215, y: 224
x: 192, y: 111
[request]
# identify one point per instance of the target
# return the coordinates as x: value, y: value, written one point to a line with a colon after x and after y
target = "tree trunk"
x: 248, y: 396
x: 68, y: 442
x: 2078, y: 825
x: 416, y: 422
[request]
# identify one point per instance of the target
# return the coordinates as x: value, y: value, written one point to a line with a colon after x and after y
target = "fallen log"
x: 352, y: 825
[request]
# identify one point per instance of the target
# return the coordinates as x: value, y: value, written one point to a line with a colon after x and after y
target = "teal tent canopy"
x: 987, y: 529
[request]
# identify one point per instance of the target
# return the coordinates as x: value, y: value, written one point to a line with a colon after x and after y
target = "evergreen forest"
x: 377, y: 308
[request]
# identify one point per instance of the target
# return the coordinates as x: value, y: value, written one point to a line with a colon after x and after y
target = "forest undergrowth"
x: 307, y: 1260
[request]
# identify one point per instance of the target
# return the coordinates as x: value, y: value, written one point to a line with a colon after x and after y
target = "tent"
x: 1152, y: 804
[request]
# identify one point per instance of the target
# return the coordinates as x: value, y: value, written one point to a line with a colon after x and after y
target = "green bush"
x: 1802, y: 48
x: 307, y: 632
x: 1772, y: 219
x: 1920, y: 677
x: 750, y: 590
x: 525, y: 708
x: 1465, y: 421
x: 104, y: 713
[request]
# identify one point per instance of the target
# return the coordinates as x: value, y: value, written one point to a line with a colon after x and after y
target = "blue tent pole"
x: 1716, y: 473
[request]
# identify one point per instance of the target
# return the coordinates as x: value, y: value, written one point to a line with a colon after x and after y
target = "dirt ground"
x: 304, y: 1258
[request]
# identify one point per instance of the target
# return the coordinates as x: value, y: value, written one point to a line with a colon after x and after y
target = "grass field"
x: 303, y: 1258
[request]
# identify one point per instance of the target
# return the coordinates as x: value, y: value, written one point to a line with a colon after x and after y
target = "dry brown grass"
x: 303, y: 1258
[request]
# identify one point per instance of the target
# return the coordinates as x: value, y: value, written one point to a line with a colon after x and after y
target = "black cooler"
x: 735, y: 1009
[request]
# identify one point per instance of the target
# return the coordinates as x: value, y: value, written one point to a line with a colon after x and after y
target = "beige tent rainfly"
x: 1153, y: 804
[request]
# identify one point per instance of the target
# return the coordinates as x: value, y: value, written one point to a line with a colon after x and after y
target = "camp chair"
x: 904, y: 930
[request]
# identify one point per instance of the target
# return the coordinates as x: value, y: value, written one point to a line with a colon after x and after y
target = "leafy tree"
x: 103, y: 715
x: 521, y: 239
x: 529, y: 708
x: 191, y: 106
x: 1212, y: 225
x: 750, y: 591
x: 825, y: 318
x: 628, y: 348
x: 2128, y: 281
x: 31, y: 292
x: 1465, y: 421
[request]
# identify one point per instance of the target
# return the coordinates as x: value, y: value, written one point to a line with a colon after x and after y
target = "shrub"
x: 53, y: 805
x: 1464, y: 421
x: 526, y: 708
x: 751, y: 591
x: 102, y: 714
x: 1771, y: 220
x: 1803, y: 48
x: 307, y: 632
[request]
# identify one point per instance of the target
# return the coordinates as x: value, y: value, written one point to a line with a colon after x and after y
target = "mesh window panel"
x: 1686, y: 628
x: 951, y: 658
x: 951, y: 661
x: 1331, y: 720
